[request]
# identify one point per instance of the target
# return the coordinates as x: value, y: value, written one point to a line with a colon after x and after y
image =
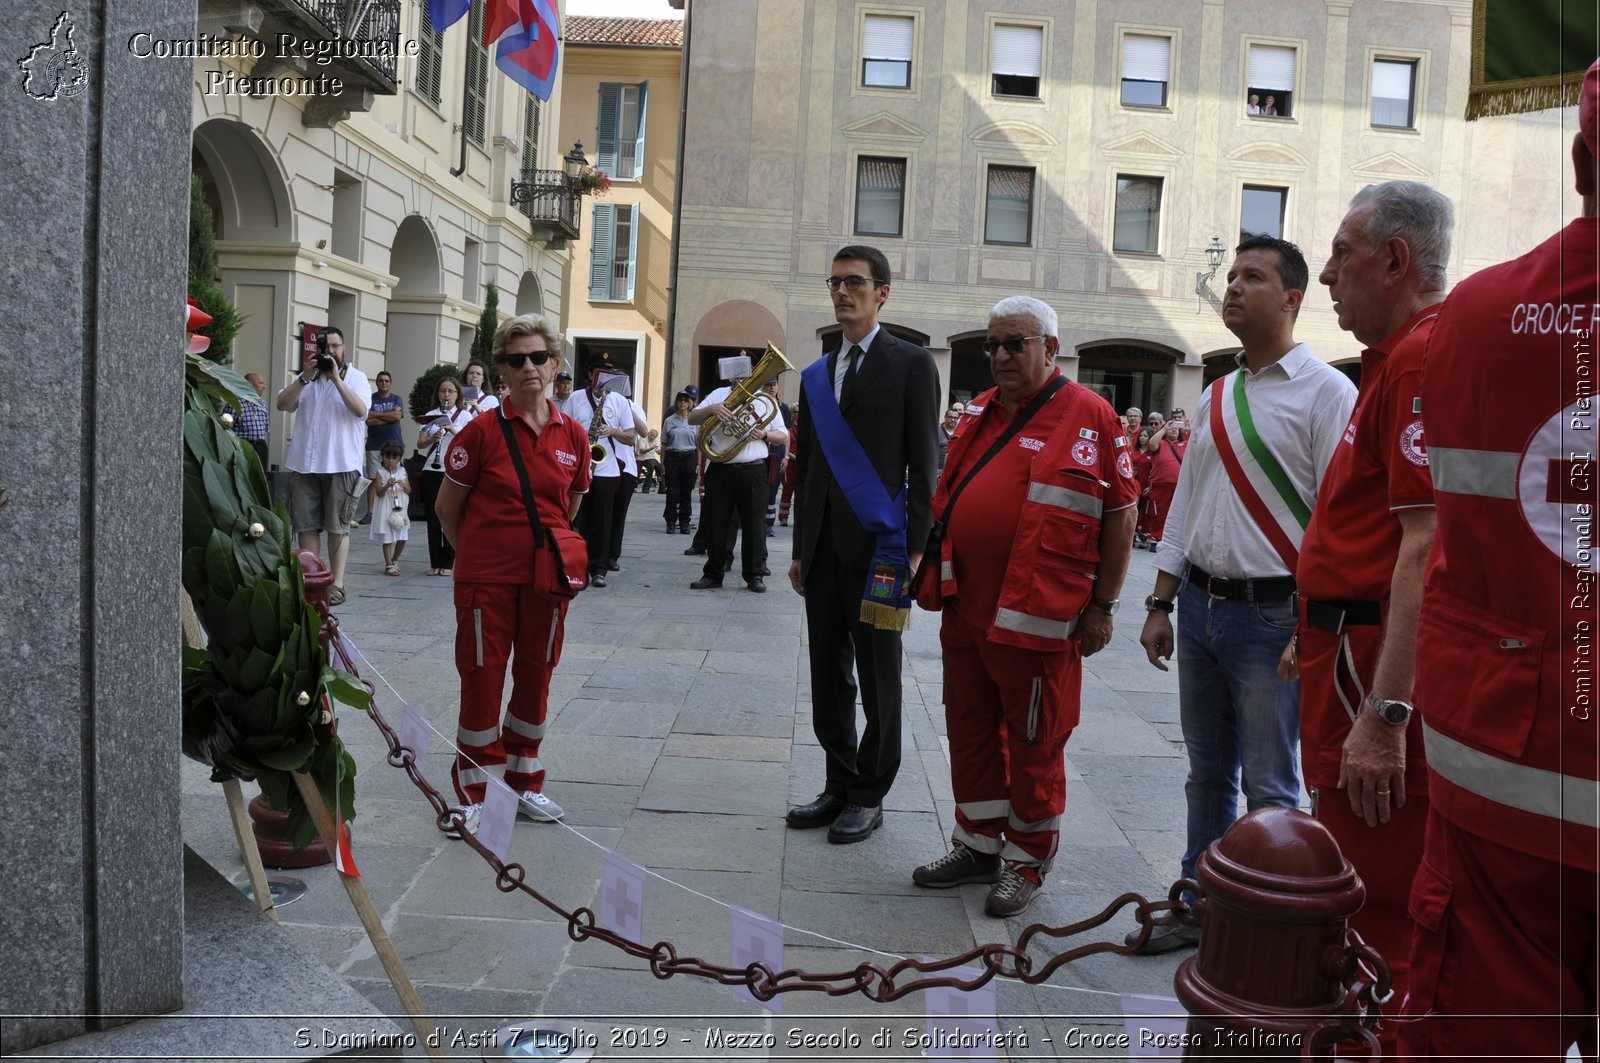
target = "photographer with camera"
x: 325, y: 454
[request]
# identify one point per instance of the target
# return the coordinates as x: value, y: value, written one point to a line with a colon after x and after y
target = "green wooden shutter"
x: 606, y: 134
x: 600, y: 243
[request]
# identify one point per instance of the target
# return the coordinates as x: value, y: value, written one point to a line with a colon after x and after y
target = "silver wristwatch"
x: 1390, y: 710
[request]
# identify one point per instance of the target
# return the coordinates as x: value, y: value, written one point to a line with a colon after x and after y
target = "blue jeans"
x: 1235, y: 710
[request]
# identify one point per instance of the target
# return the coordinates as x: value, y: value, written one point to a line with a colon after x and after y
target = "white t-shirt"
x: 326, y: 436
x: 435, y: 442
x: 617, y: 414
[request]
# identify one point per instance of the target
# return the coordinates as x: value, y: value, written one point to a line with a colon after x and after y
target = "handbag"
x: 556, y: 546
x: 926, y: 591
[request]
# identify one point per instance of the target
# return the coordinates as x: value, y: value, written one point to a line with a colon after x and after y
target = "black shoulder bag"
x: 931, y: 553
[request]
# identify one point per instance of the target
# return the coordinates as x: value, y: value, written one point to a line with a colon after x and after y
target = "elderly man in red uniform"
x: 1361, y: 562
x: 1036, y: 508
x: 1505, y: 960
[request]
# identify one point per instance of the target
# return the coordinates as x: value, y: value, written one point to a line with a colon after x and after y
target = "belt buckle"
x: 1210, y: 579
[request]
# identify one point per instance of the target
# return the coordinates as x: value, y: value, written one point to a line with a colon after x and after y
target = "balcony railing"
x: 371, y: 26
x: 547, y: 199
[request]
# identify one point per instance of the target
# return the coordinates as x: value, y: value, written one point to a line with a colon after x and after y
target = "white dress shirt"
x: 842, y: 365
x: 580, y: 408
x: 326, y: 436
x: 1300, y: 406
x: 755, y: 449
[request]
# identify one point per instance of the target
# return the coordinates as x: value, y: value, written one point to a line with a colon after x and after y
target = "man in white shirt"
x: 330, y: 400
x: 738, y: 485
x: 1263, y: 436
x: 613, y: 431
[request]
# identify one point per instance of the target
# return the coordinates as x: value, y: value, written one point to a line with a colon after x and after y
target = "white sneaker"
x: 470, y: 815
x: 538, y: 807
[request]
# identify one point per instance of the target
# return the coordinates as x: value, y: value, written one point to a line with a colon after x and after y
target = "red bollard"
x: 269, y: 825
x: 1276, y: 974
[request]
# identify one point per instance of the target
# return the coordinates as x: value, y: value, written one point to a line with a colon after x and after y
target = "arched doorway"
x: 969, y: 366
x: 414, y: 308
x: 248, y: 193
x: 530, y: 297
x: 1219, y: 364
x: 728, y: 328
x: 1129, y: 373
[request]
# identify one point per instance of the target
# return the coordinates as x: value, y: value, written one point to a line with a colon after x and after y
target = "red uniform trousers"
x: 1008, y: 713
x: 1387, y: 856
x: 496, y: 623
x: 786, y: 499
x: 1506, y: 960
x: 1153, y: 521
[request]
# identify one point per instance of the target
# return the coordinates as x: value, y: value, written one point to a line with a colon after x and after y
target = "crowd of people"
x: 1393, y: 621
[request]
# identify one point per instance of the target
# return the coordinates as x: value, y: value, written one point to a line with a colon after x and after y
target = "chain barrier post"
x: 1278, y: 973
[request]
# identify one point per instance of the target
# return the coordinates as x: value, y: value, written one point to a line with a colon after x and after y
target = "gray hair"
x: 1037, y: 309
x: 1417, y: 214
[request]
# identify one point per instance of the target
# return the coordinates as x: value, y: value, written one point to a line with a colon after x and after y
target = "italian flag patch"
x: 1088, y: 433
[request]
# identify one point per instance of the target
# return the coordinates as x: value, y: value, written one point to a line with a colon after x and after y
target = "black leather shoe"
x: 706, y: 583
x: 819, y: 813
x: 765, y: 571
x: 694, y: 551
x: 758, y: 585
x: 598, y: 579
x: 612, y: 566
x: 1165, y: 939
x: 855, y: 824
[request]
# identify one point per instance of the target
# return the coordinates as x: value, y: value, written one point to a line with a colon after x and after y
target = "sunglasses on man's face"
x: 515, y: 360
x: 1013, y: 346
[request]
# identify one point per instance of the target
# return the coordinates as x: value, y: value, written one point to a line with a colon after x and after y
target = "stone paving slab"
x: 690, y: 784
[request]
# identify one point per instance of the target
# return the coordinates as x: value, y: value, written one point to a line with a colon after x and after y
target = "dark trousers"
x: 627, y: 484
x: 740, y: 489
x: 594, y: 520
x: 680, y: 487
x: 650, y: 477
x: 861, y: 772
x: 440, y: 553
x: 260, y: 447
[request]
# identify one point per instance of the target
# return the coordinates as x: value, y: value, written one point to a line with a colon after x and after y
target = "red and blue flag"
x: 445, y: 13
x: 528, y: 52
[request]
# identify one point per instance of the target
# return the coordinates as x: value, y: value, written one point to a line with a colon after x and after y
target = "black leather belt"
x: 1273, y: 589
x: 1336, y: 614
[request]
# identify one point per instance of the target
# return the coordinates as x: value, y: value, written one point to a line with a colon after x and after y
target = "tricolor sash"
x: 886, y: 600
x: 1265, y: 489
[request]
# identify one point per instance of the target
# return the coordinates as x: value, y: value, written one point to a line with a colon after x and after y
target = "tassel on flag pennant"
x: 621, y: 896
x: 529, y: 53
x: 756, y: 939
x: 499, y: 817
x: 446, y: 13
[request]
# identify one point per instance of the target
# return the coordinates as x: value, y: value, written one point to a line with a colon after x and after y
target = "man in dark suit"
x: 888, y: 392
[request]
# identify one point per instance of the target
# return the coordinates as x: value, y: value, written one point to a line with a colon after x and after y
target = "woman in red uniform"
x: 506, y: 609
x: 1163, y: 457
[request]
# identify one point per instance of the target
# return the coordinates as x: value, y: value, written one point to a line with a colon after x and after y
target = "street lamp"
x: 576, y: 162
x: 1214, y: 253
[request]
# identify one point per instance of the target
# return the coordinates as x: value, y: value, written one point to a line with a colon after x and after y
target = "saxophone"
x: 597, y: 449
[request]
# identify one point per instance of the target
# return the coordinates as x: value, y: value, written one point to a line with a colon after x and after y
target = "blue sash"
x: 886, y: 600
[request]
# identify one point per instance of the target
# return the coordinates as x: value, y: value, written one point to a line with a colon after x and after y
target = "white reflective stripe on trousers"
x: 1505, y: 782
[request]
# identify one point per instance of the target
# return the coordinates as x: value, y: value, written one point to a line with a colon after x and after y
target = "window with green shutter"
x: 477, y: 110
x: 613, y: 251
x: 430, y: 63
x: 619, y: 136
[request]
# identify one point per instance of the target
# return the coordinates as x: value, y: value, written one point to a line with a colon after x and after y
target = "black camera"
x: 324, y: 359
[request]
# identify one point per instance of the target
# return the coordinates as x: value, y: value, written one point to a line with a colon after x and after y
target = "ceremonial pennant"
x: 499, y: 817
x: 756, y: 939
x: 528, y: 53
x: 621, y: 896
x: 1529, y: 55
x: 414, y: 736
x: 1155, y: 1026
x: 961, y: 1022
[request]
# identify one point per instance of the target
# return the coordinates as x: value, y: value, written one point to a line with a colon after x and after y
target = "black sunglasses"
x: 515, y: 360
x: 1013, y: 345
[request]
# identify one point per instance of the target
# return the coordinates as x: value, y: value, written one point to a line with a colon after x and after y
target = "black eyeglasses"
x: 515, y: 360
x: 855, y: 282
x: 1013, y: 345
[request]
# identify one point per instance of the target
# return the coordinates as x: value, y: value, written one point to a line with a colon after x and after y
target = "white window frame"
x: 1164, y: 181
x: 610, y: 148
x: 1300, y: 50
x: 603, y: 218
x: 1418, y: 61
x: 909, y: 29
x: 1045, y: 27
x: 1171, y: 38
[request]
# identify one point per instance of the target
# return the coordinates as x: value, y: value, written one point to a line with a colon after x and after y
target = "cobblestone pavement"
x: 679, y: 732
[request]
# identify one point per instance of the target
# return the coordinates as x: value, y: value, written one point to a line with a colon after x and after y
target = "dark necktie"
x: 847, y: 389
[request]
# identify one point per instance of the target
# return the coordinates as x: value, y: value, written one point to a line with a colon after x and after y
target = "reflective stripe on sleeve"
x: 1484, y: 473
x: 1026, y: 624
x: 1065, y: 498
x: 1505, y: 782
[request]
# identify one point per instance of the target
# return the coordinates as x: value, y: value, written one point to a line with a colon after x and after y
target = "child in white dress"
x: 388, y: 496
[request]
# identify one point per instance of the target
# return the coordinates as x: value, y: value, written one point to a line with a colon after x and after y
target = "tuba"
x: 752, y: 410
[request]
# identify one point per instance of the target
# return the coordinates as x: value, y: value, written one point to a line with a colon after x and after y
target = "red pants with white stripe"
x: 497, y: 623
x: 1008, y: 713
x: 1505, y: 962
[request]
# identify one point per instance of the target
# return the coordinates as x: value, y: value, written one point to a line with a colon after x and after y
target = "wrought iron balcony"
x: 548, y: 199
x: 366, y: 33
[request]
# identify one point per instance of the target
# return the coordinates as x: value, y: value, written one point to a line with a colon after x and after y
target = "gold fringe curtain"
x: 1530, y: 55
